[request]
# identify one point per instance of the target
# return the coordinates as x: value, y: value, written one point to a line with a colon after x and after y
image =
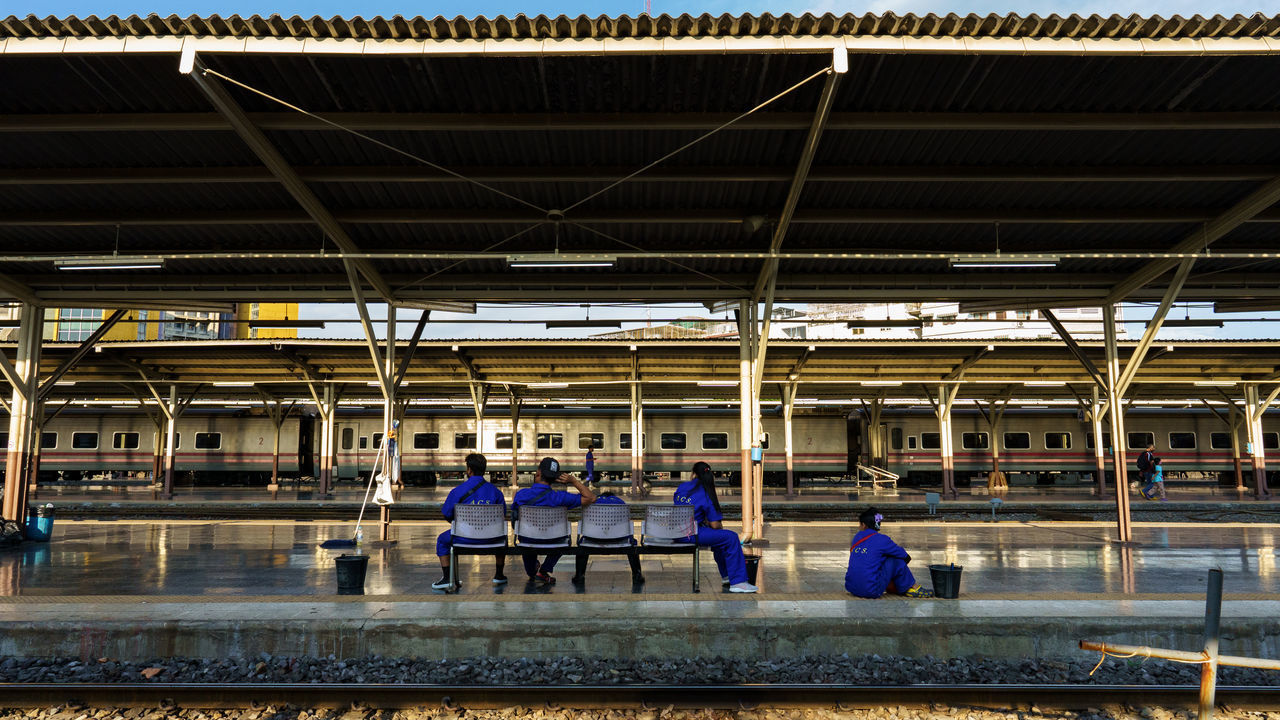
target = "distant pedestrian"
x: 1155, y: 484
x: 591, y: 466
x: 1146, y: 463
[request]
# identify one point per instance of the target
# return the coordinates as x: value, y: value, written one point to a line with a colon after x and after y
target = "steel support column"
x: 390, y: 459
x: 22, y: 408
x: 1096, y: 409
x: 745, y: 406
x: 515, y: 437
x: 170, y: 433
x: 788, y: 409
x: 1236, y: 421
x: 1115, y: 410
x: 1256, y: 409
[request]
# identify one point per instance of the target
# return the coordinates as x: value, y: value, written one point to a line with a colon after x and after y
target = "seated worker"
x: 700, y: 492
x: 542, y: 494
x: 474, y: 491
x: 580, y: 562
x: 1155, y: 482
x: 877, y: 565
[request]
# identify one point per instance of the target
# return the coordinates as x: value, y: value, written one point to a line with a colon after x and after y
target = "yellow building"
x: 77, y: 324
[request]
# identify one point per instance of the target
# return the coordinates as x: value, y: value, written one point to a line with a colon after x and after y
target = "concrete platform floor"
x: 234, y: 558
x: 138, y: 590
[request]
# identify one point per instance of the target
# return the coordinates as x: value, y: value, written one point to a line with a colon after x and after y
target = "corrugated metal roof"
x: 582, y: 26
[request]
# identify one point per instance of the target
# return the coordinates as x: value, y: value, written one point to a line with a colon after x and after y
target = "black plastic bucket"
x: 946, y: 580
x: 351, y: 569
x: 753, y: 568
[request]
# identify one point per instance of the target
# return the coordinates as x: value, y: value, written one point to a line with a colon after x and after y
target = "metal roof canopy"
x: 543, y: 371
x: 963, y: 134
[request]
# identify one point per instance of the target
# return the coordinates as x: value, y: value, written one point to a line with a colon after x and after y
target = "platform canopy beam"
x: 85, y: 346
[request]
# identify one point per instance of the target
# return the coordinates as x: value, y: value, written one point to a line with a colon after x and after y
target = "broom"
x: 373, y: 478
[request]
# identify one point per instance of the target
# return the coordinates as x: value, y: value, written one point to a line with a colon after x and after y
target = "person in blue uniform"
x: 580, y: 562
x: 700, y: 492
x: 474, y: 491
x: 543, y: 494
x: 878, y: 565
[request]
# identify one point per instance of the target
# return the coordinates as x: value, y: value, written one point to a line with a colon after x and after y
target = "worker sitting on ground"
x: 700, y: 492
x: 580, y: 576
x: 474, y: 491
x: 542, y: 494
x: 877, y: 565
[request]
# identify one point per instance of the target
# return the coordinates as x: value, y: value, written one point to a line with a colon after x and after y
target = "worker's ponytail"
x: 707, y: 480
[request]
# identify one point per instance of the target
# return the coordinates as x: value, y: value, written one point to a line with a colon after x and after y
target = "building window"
x: 426, y: 441
x: 1022, y: 314
x: 1017, y: 441
x: 208, y: 441
x: 1106, y: 440
x: 84, y: 441
x: 464, y: 441
x: 1182, y: 441
x: 77, y: 324
x: 502, y: 441
x: 930, y: 441
x: 590, y: 440
x: 1220, y: 441
x: 348, y: 438
x: 1057, y: 441
x: 550, y: 441
x: 715, y: 441
x: 672, y: 441
x: 125, y: 441
x: 895, y: 438
x: 796, y: 333
x: 48, y: 441
x: 974, y: 441
x: 1140, y: 440
x: 624, y: 441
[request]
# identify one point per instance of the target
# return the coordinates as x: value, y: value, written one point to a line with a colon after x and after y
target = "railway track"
x: 377, y: 696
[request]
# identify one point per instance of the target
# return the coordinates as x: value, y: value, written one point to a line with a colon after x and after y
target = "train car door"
x: 348, y: 461
x: 854, y: 429
x: 306, y: 445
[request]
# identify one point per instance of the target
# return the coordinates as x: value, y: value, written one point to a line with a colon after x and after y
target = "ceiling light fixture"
x: 1044, y: 383
x: 1002, y: 260
x: 122, y: 263
x: 880, y: 383
x: 560, y: 260
x: 1214, y: 383
x: 233, y: 384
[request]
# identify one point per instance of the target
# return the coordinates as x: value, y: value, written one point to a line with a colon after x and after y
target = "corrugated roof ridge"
x: 704, y: 25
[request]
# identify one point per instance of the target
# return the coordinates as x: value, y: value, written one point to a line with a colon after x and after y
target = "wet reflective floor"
x: 235, y: 558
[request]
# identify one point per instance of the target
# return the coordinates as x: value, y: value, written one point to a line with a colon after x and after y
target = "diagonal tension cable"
x: 702, y: 137
x: 453, y: 265
x: 375, y: 141
x: 637, y: 248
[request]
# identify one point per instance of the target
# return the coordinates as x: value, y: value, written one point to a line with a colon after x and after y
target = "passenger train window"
x: 208, y: 441
x: 895, y: 438
x: 624, y: 441
x: 764, y: 441
x: 1057, y: 441
x: 84, y: 441
x: 426, y: 441
x: 974, y: 441
x: 1140, y: 440
x: 1220, y: 441
x: 348, y: 438
x: 590, y: 440
x: 930, y: 441
x: 911, y: 442
x: 464, y: 441
x: 550, y: 441
x: 125, y: 441
x: 4, y: 438
x: 672, y: 441
x: 1271, y: 441
x: 1017, y: 441
x: 1106, y: 440
x: 48, y: 441
x: 1182, y: 441
x: 377, y: 440
x: 715, y: 441
x: 502, y: 441
x: 364, y: 442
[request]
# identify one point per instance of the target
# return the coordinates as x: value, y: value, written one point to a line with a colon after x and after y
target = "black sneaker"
x: 544, y: 579
x: 443, y: 584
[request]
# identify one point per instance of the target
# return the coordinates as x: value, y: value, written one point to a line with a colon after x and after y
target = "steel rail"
x: 388, y: 696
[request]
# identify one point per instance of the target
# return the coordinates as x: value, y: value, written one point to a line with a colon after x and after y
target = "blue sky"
x: 452, y: 8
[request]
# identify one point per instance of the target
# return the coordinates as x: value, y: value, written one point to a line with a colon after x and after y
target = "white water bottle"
x: 359, y: 535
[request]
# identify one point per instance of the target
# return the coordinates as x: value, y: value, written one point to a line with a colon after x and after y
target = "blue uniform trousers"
x: 727, y: 550
x: 895, y: 577
x: 548, y: 564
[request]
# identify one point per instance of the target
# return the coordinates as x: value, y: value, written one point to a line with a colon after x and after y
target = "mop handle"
x: 373, y: 474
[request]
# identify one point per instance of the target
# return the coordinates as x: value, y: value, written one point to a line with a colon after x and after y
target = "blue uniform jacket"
x: 609, y: 500
x: 554, y: 498
x: 485, y: 494
x: 866, y: 576
x: 591, y: 462
x: 692, y: 493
